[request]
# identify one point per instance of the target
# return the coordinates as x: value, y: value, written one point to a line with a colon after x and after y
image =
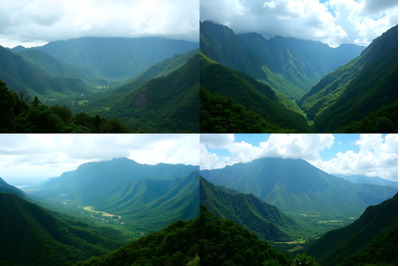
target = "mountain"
x: 288, y: 65
x: 177, y: 244
x: 246, y: 210
x: 32, y: 235
x: 116, y: 58
x: 296, y: 186
x: 358, y: 90
x: 21, y: 75
x: 166, y: 104
x: 277, y: 110
x: 56, y: 68
x: 147, y: 197
x: 6, y: 188
x: 371, y: 239
x: 369, y: 180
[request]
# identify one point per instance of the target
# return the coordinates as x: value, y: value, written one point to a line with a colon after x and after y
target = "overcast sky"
x: 41, y: 156
x: 349, y: 154
x: 36, y: 22
x: 330, y: 21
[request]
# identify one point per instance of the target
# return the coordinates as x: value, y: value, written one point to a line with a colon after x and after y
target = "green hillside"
x: 358, y: 93
x: 259, y: 98
x: 143, y: 196
x: 56, y: 68
x: 21, y: 75
x: 166, y: 104
x: 6, y: 188
x: 31, y: 235
x: 370, y: 240
x: 295, y: 186
x: 288, y: 65
x: 246, y: 210
x: 116, y: 58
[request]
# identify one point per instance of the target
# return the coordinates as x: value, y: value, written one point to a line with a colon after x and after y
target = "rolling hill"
x: 21, y: 75
x: 357, y: 97
x: 288, y: 65
x: 296, y: 186
x: 116, y: 58
x: 279, y: 112
x: 32, y: 235
x: 371, y: 239
x: 248, y: 211
x: 166, y: 104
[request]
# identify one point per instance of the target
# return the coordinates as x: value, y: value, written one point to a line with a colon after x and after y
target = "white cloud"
x: 217, y: 141
x: 334, y: 22
x: 35, y: 22
x: 43, y: 156
x: 378, y: 156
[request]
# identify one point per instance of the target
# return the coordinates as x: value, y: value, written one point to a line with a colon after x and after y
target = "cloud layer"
x: 377, y: 155
x: 333, y: 22
x: 29, y: 22
x: 43, y: 156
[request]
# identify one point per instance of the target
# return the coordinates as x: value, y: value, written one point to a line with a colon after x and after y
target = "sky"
x: 40, y: 156
x: 36, y: 22
x: 333, y: 22
x: 348, y: 154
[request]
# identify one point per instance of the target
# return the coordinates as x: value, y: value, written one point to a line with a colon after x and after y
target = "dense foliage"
x: 261, y: 218
x: 370, y: 240
x: 361, y: 95
x: 178, y: 244
x: 221, y: 114
x: 20, y: 115
x: 31, y: 235
x: 222, y: 242
x: 259, y: 98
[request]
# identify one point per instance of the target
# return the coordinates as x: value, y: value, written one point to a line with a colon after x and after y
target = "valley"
x: 329, y: 89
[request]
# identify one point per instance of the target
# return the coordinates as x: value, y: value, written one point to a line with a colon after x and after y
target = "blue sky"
x: 333, y: 22
x: 350, y: 154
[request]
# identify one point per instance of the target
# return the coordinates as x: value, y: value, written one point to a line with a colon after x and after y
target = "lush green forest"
x: 21, y: 114
x: 32, y: 235
x: 370, y: 240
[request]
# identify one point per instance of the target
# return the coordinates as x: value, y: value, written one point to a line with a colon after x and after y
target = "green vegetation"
x: 20, y: 115
x: 370, y: 240
x: 32, y: 235
x: 361, y: 95
x: 246, y: 210
x: 279, y: 111
x: 178, y: 244
x: 221, y: 114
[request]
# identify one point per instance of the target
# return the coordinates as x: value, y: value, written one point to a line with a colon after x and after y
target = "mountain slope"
x: 369, y: 180
x: 56, y: 68
x: 166, y: 104
x: 248, y: 211
x: 21, y: 75
x: 371, y: 239
x: 6, y: 188
x: 116, y: 58
x: 354, y: 91
x: 31, y: 235
x: 288, y: 65
x: 147, y: 197
x: 275, y: 108
x: 296, y: 186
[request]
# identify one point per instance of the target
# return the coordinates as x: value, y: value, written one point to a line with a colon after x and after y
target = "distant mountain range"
x: 116, y: 58
x: 288, y: 65
x: 296, y: 186
x: 148, y: 196
x: 246, y: 210
x: 370, y: 240
x: 369, y: 180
